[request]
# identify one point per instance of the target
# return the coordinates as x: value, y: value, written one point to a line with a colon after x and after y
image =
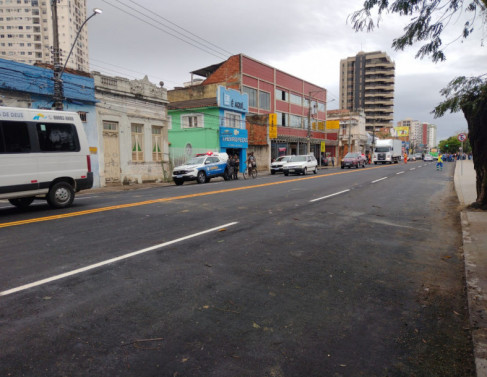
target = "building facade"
x: 133, y: 130
x: 209, y: 124
x: 352, y: 136
x: 432, y: 132
x: 28, y: 86
x: 367, y: 83
x: 300, y: 106
x: 26, y: 32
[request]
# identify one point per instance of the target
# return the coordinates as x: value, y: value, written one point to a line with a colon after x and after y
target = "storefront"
x: 234, y: 138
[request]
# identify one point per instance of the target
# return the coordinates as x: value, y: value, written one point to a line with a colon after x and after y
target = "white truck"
x: 387, y: 151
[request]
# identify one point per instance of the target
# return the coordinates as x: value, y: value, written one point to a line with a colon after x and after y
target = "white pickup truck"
x: 202, y: 168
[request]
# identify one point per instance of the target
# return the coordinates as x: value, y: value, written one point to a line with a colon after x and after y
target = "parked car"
x: 418, y: 156
x: 301, y: 164
x: 202, y: 168
x: 411, y: 157
x: 353, y: 159
x: 276, y: 166
x: 428, y: 157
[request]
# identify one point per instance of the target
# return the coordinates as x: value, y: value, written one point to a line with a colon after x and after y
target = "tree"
x: 429, y: 18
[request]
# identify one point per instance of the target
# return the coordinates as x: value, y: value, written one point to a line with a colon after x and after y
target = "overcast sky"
x: 305, y: 38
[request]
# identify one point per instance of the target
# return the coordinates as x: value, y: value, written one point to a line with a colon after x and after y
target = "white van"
x: 44, y: 154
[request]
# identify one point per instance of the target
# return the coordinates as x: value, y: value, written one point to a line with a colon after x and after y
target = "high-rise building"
x: 367, y: 83
x: 26, y: 32
x: 432, y: 129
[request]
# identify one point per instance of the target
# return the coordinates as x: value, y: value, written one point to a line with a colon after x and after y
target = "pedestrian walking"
x: 405, y: 158
x: 439, y: 163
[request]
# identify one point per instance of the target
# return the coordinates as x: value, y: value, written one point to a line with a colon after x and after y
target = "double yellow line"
x: 162, y: 200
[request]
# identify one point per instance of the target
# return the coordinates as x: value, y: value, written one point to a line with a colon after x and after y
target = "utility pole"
x: 58, y: 96
x: 58, y: 84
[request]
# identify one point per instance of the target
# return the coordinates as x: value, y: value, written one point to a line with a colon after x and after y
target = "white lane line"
x: 329, y: 196
x: 112, y: 260
x: 412, y: 169
x: 86, y: 197
x: 401, y: 172
x: 377, y: 180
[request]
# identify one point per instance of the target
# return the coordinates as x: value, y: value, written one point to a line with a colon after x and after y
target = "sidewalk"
x: 474, y: 229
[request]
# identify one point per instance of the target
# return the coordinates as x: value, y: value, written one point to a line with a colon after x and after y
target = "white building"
x: 432, y: 131
x: 26, y: 32
x: 132, y: 127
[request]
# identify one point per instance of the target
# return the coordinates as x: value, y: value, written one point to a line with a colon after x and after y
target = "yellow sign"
x: 272, y: 126
x: 332, y: 124
x: 321, y: 126
x: 402, y: 131
x: 323, y: 146
x: 272, y: 119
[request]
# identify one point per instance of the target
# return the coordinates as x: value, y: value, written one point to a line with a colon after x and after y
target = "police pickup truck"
x: 202, y: 168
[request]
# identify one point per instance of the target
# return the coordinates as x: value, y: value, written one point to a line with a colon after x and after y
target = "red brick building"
x: 270, y: 91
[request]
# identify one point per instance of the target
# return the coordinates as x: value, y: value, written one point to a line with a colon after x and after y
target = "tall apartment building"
x: 367, y: 83
x: 26, y: 31
x: 432, y: 131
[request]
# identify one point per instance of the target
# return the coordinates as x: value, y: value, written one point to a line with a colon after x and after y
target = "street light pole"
x: 58, y: 70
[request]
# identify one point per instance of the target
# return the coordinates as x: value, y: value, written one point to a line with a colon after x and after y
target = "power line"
x: 180, y: 27
x: 200, y: 47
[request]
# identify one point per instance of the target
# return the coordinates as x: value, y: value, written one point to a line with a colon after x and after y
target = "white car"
x: 301, y: 164
x: 428, y: 157
x: 276, y: 166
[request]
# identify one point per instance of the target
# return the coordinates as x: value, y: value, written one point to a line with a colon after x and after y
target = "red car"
x: 353, y: 159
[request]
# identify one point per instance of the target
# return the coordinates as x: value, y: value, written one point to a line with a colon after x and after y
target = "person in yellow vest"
x: 439, y: 163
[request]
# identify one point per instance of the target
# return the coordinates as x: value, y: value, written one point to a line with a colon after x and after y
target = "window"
x: 14, y: 137
x: 232, y: 120
x: 57, y: 137
x: 321, y: 107
x: 282, y: 95
x: 82, y: 116
x: 252, y: 93
x: 156, y: 143
x: 264, y: 100
x: 192, y: 121
x: 282, y: 119
x: 295, y: 121
x: 169, y: 122
x: 297, y: 100
x: 137, y: 142
x: 110, y: 126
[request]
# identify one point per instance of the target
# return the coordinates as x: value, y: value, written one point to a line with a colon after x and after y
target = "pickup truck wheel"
x: 61, y: 195
x: 21, y: 203
x: 273, y: 172
x: 178, y: 182
x: 201, y: 177
x: 316, y: 170
x: 305, y: 170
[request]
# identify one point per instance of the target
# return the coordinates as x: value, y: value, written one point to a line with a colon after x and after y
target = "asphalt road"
x: 344, y: 273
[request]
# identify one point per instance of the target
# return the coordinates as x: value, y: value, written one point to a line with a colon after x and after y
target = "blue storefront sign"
x: 231, y: 99
x: 233, y: 138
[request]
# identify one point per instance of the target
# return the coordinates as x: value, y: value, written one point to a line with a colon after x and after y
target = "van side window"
x: 14, y: 137
x: 57, y: 137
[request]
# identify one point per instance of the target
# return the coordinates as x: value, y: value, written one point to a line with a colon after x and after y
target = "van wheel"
x: 21, y: 202
x: 61, y: 195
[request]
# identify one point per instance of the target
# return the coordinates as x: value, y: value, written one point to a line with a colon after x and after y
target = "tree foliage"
x: 429, y: 18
